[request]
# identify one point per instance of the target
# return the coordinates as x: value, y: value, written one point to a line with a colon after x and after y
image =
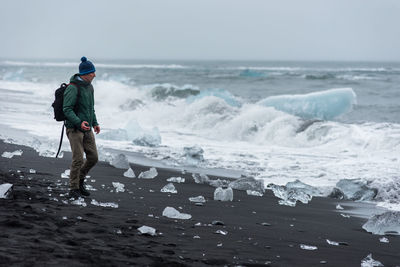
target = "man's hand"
x: 97, y: 129
x: 85, y: 126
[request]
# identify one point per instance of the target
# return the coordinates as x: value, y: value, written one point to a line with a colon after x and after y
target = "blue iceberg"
x: 324, y: 105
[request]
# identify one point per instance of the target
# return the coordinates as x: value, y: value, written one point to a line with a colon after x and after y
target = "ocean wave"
x: 163, y: 91
x: 321, y: 76
x: 309, y: 69
x: 101, y: 65
x: 225, y: 95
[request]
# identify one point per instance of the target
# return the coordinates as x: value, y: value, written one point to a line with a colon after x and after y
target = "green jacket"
x: 85, y: 106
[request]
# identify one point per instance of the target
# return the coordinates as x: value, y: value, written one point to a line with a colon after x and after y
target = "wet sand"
x: 41, y: 228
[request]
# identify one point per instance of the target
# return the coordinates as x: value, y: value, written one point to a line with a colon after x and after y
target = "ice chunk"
x: 324, y: 105
x: 169, y: 188
x: 384, y: 240
x: 32, y: 171
x: 119, y: 187
x: 90, y: 188
x: 221, y: 232
x: 289, y: 196
x: 9, y: 155
x: 6, y: 190
x: 120, y: 161
x: 204, y: 179
x: 388, y: 222
x: 65, y: 174
x: 248, y: 183
x: 143, y: 137
x: 116, y: 135
x: 105, y: 204
x: 200, y: 178
x: 199, y: 199
x: 176, y: 180
x: 219, y: 183
x: 194, y: 155
x: 355, y: 189
x: 79, y: 202
x: 308, y: 247
x: 333, y: 243
x: 370, y: 262
x: 223, y: 194
x: 150, y: 174
x: 147, y: 230
x: 171, y: 212
x: 308, y: 189
x: 254, y: 193
x: 130, y: 173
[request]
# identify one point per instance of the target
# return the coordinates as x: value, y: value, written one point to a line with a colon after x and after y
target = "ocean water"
x: 336, y: 120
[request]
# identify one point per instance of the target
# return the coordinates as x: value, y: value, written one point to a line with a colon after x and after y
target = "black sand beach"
x: 37, y: 230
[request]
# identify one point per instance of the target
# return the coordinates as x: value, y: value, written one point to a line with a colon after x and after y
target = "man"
x: 78, y: 108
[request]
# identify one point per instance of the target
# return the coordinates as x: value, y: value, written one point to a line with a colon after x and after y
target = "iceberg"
x: 120, y: 161
x: 324, y: 105
x: 223, y: 194
x: 353, y: 189
x: 169, y: 188
x: 130, y: 173
x: 9, y: 155
x: 370, y: 262
x: 147, y: 230
x: 6, y: 190
x: 150, y: 174
x: 174, y: 214
x: 386, y: 223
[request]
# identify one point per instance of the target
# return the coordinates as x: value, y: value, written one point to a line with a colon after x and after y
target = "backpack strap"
x: 77, y: 97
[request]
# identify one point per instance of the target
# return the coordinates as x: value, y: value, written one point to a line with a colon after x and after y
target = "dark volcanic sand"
x: 34, y: 233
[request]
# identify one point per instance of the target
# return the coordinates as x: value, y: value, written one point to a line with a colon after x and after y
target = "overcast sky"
x: 204, y: 29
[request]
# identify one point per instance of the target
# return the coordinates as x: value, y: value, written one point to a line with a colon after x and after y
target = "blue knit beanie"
x: 86, y: 66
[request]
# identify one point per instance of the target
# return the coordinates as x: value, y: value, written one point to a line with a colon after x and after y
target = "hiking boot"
x: 82, y: 189
x: 74, y: 193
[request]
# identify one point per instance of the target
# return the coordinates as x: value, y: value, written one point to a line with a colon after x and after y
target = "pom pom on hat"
x: 86, y: 66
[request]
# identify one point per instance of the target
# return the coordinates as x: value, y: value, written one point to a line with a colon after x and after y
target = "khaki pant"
x: 81, y: 142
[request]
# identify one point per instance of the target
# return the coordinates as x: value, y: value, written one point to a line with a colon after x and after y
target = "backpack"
x: 58, y: 107
x: 59, y: 101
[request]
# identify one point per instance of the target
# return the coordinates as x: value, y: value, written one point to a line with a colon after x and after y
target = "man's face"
x: 89, y: 77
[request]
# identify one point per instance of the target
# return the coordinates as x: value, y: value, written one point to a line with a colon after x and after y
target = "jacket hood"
x: 76, y: 79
